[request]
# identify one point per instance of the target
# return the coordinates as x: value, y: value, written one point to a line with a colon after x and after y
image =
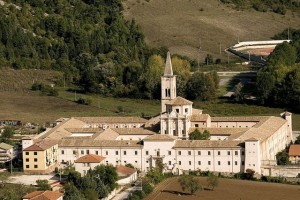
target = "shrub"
x: 84, y: 101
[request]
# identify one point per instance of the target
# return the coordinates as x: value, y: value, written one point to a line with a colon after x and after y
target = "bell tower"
x: 168, y: 84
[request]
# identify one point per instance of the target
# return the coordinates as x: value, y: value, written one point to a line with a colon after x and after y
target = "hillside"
x: 180, y: 24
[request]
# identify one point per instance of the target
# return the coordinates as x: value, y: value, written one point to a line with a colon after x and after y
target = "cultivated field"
x: 228, y: 189
x: 179, y: 24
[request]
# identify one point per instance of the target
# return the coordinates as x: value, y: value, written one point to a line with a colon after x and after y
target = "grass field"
x: 228, y: 189
x: 180, y: 24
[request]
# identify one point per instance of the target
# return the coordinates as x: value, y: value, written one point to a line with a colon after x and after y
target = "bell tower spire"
x: 168, y: 84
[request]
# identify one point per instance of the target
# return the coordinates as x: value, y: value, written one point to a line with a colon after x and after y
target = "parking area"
x: 31, y: 179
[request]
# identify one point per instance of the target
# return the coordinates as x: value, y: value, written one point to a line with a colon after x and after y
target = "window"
x: 196, y: 125
x: 243, y: 153
x: 170, y: 163
x: 235, y: 162
x: 228, y: 162
x: 236, y: 153
x: 117, y: 152
x: 190, y: 162
x: 35, y: 153
x: 199, y: 153
x: 106, y: 152
x: 219, y: 162
x: 82, y: 152
x: 199, y: 162
x: 208, y: 153
x: 228, y: 153
x: 35, y: 166
x: 62, y: 152
x: 124, y: 162
x: 219, y: 153
x: 179, y: 153
x: 135, y: 153
x: 179, y: 162
x: 74, y: 152
x: 124, y: 152
x: 27, y: 166
x: 27, y: 159
x: 169, y: 152
x: 177, y: 110
x: 186, y: 110
x: 35, y: 160
x: 243, y: 162
x: 27, y: 153
x: 135, y: 161
x: 87, y: 151
x: 147, y: 153
x: 189, y: 153
x: 96, y: 152
x: 209, y: 162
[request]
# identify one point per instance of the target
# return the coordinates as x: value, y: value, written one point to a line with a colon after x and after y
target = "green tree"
x: 7, y: 135
x: 197, y: 135
x: 283, y: 54
x: 282, y: 158
x: 182, y: 69
x: 43, y: 185
x: 190, y: 183
x: 297, y: 141
x: 265, y: 84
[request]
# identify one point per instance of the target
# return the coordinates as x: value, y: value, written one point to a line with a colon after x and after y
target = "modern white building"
x: 236, y: 143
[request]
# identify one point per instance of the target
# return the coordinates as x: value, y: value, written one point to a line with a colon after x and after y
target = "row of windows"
x: 209, y: 153
x: 209, y: 162
x: 27, y: 153
x: 35, y: 166
x: 35, y: 160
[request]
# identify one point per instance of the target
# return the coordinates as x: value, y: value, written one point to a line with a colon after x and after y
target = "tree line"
x: 278, y: 83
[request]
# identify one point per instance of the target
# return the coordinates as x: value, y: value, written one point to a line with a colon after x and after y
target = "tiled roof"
x: 179, y: 101
x: 5, y: 146
x: 41, y: 146
x: 125, y: 171
x: 168, y: 67
x: 207, y: 144
x: 238, y: 119
x: 133, y: 131
x: 74, y: 142
x: 221, y: 131
x: 107, y: 134
x: 294, y: 150
x: 83, y: 130
x: 43, y: 195
x: 112, y: 120
x: 90, y: 158
x: 160, y: 137
x: 196, y: 111
x: 200, y: 118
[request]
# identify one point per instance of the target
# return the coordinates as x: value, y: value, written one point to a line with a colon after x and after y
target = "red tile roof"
x: 90, y: 158
x: 43, y: 195
x: 41, y: 146
x: 294, y: 150
x: 123, y: 170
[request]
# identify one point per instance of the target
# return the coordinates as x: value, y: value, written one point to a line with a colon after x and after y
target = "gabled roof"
x: 133, y: 131
x: 179, y: 101
x: 90, y: 158
x: 41, y: 146
x: 160, y: 137
x: 43, y: 195
x: 112, y: 120
x: 125, y: 171
x: 77, y: 142
x: 294, y: 150
x: 5, y: 146
x: 168, y: 67
x: 200, y: 118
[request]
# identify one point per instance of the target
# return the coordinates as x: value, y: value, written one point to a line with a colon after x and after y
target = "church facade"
x: 235, y: 144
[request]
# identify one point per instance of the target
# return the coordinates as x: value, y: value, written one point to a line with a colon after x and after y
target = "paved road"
x: 124, y: 194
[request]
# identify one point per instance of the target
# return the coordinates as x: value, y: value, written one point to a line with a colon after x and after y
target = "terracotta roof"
x: 221, y: 131
x: 207, y: 144
x: 107, y: 134
x: 112, y: 120
x: 75, y: 142
x: 43, y: 195
x: 133, y: 131
x: 90, y: 158
x: 125, y: 171
x: 5, y: 146
x: 160, y: 137
x: 200, y: 118
x: 179, y: 101
x: 294, y: 150
x: 196, y: 111
x: 41, y: 146
x: 238, y: 119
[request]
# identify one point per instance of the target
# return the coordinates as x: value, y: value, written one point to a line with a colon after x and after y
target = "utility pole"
x: 227, y: 58
x: 220, y: 47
